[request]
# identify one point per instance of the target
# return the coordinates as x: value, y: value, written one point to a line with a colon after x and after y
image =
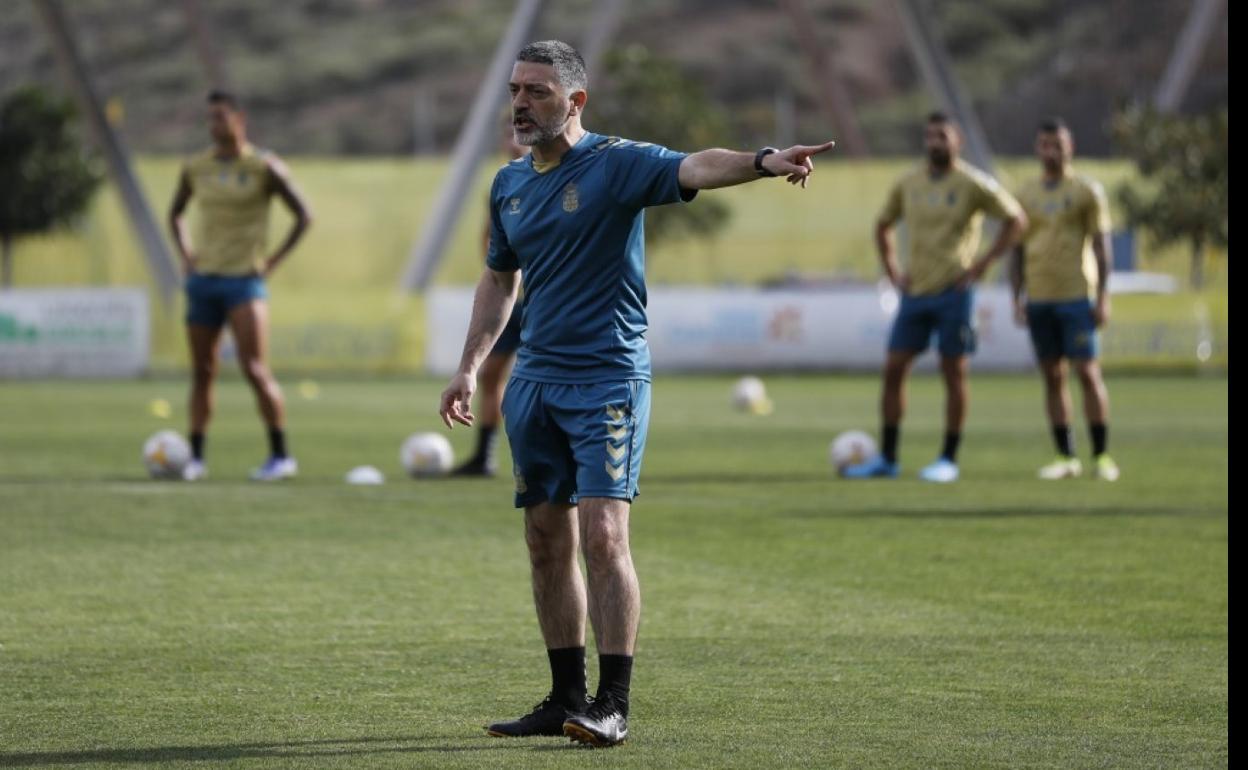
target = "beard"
x: 221, y: 134
x: 1052, y: 165
x: 940, y: 158
x: 537, y: 131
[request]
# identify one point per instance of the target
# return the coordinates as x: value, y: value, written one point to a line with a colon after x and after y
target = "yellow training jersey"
x: 943, y: 216
x: 233, y: 219
x: 1058, y: 263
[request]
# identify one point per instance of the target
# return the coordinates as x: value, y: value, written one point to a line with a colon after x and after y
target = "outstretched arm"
x: 709, y: 169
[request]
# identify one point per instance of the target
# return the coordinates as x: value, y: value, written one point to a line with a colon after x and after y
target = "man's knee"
x: 1053, y: 372
x: 1089, y: 372
x: 203, y: 372
x: 256, y: 371
x: 895, y: 369
x: 606, y: 541
x: 550, y: 539
x: 955, y: 369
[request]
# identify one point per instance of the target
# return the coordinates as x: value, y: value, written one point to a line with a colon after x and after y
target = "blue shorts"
x: 509, y: 341
x: 1063, y: 329
x: 574, y: 441
x: 210, y: 298
x: 948, y: 314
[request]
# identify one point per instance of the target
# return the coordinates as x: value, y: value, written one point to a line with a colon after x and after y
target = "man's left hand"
x: 795, y: 163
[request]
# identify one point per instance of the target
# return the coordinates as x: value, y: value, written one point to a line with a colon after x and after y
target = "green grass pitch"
x: 789, y: 619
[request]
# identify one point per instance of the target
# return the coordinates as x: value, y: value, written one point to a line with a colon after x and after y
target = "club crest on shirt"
x: 571, y: 202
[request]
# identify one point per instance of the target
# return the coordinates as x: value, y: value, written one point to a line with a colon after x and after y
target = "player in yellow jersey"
x: 225, y: 267
x: 1061, y: 292
x: 943, y: 205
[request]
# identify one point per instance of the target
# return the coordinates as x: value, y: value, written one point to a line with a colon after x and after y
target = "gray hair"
x: 568, y: 64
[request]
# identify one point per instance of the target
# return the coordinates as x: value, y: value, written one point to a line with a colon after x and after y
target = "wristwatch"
x: 758, y: 160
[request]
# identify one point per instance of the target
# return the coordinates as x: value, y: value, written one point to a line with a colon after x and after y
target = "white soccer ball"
x: 166, y: 454
x: 426, y: 454
x: 750, y: 395
x: 851, y: 448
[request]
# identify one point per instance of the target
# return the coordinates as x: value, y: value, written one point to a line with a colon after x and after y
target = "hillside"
x: 348, y: 76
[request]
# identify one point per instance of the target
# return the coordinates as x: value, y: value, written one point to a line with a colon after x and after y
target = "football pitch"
x: 790, y: 619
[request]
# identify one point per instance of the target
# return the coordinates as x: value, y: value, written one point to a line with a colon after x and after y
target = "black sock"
x: 891, y: 434
x: 487, y: 436
x: 1100, y: 438
x: 567, y: 675
x: 197, y: 446
x: 950, y: 452
x: 615, y: 674
x: 277, y: 443
x: 1064, y: 440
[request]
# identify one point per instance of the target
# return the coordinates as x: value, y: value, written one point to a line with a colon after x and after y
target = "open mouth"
x: 521, y: 123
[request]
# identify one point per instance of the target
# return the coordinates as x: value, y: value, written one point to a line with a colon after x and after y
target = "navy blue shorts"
x: 948, y: 315
x: 1063, y: 329
x: 574, y: 441
x: 210, y: 298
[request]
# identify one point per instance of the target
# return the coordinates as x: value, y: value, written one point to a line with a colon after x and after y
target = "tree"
x: 46, y: 177
x: 648, y: 98
x: 1185, y: 165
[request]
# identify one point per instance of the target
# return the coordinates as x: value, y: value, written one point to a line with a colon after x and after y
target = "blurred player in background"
x: 943, y: 205
x: 226, y: 265
x: 1060, y: 278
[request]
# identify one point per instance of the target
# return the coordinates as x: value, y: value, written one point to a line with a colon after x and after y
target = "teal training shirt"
x: 576, y: 232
